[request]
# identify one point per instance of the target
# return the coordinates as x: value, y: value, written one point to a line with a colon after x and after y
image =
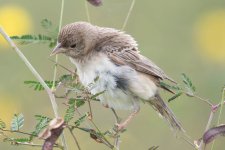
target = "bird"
x: 126, y: 77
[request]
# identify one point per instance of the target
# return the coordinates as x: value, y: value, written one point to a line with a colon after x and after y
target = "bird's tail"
x: 161, y: 107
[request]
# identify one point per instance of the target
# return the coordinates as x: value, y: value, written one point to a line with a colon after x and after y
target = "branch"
x: 207, y: 127
x: 35, y: 73
x: 52, y: 133
x: 21, y: 132
x: 128, y: 15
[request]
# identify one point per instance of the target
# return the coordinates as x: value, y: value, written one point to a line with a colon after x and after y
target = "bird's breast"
x: 111, y: 79
x: 123, y: 85
x: 96, y: 67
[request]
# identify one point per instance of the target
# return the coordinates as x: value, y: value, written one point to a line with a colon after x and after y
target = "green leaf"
x: 16, y: 141
x: 17, y: 122
x: 172, y: 87
x: 2, y: 124
x: 45, y: 23
x: 188, y: 84
x: 97, y: 94
x: 31, y: 39
x: 70, y: 110
x: 67, y: 79
x: 51, y: 30
x: 22, y: 140
x: 79, y: 102
x: 52, y: 43
x: 175, y: 96
x: 37, y: 85
x: 80, y: 120
x: 42, y: 123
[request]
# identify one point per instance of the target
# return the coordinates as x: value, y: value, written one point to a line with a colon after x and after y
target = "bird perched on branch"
x: 126, y: 76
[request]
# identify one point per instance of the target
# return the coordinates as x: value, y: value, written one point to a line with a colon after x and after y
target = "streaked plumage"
x: 124, y: 74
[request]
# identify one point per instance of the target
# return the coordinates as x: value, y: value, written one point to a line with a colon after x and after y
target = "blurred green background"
x: 181, y: 36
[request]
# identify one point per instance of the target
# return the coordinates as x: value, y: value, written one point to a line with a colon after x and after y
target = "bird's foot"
x: 123, y: 125
x: 120, y: 126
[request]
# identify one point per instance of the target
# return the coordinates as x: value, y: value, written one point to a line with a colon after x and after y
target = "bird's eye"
x: 73, y: 46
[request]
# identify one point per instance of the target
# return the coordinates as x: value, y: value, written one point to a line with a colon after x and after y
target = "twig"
x: 32, y: 144
x: 221, y: 108
x: 203, y: 100
x: 26, y: 143
x: 62, y: 66
x: 91, y: 115
x: 55, y: 69
x: 116, y: 116
x: 190, y: 143
x: 105, y: 141
x: 87, y: 12
x: 109, y: 144
x: 35, y: 73
x: 207, y: 127
x: 128, y: 14
x: 74, y: 138
x: 56, y: 57
x: 116, y: 141
x: 21, y: 132
x: 54, y: 135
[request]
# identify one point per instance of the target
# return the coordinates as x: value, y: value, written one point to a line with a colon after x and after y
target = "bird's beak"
x: 57, y: 49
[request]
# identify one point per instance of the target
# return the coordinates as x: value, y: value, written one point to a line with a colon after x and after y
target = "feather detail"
x: 161, y: 107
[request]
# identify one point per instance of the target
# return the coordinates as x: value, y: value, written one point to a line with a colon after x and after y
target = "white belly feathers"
x: 121, y: 84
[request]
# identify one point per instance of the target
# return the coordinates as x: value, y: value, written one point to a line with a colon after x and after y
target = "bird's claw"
x: 120, y: 126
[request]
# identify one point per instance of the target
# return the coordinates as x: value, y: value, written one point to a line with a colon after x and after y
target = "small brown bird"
x: 123, y: 73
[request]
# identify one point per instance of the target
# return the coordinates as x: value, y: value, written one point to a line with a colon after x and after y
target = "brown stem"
x: 91, y: 115
x: 21, y: 132
x: 207, y: 127
x: 50, y: 141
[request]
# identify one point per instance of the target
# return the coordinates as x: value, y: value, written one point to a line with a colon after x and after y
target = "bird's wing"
x: 132, y: 58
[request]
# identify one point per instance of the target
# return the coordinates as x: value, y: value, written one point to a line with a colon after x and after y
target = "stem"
x: 221, y: 108
x: 87, y: 11
x: 116, y: 141
x: 70, y: 71
x: 31, y: 144
x: 89, y: 105
x: 207, y: 127
x: 104, y: 140
x: 103, y: 137
x: 31, y: 68
x: 128, y: 14
x: 187, y: 141
x: 74, y: 138
x: 21, y: 132
x: 55, y: 70
x: 56, y: 57
x: 203, y: 100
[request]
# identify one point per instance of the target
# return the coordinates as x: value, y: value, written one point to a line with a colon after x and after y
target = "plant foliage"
x: 17, y: 122
x: 37, y: 85
x: 42, y: 123
x: 2, y: 124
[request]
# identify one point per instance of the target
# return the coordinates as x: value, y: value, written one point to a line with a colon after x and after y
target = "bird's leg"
x: 121, y: 126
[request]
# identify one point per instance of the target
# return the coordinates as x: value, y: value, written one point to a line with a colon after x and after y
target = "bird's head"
x: 76, y: 39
